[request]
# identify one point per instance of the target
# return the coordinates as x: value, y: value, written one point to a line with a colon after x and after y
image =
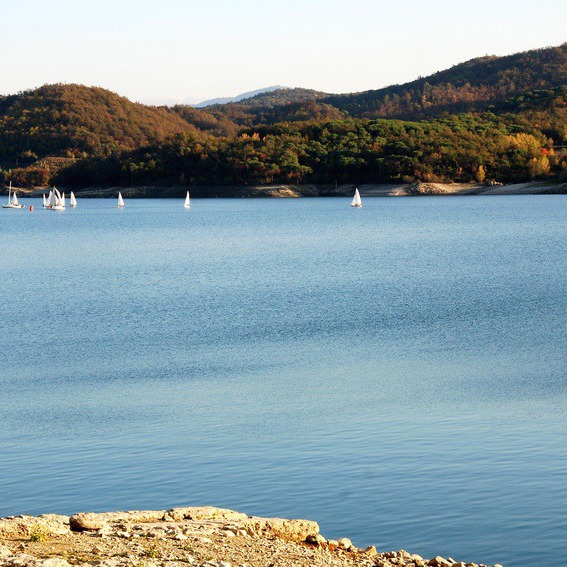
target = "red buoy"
x: 31, y: 207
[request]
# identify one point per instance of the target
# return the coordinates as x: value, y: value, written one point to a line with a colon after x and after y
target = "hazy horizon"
x: 182, y: 51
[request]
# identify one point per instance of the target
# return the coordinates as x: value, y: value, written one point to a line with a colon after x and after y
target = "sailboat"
x: 356, y: 200
x: 13, y: 202
x: 45, y: 200
x: 187, y: 204
x: 120, y: 201
x: 55, y: 201
x: 72, y: 200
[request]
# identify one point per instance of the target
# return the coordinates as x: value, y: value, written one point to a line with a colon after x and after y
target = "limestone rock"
x: 25, y: 526
x: 344, y: 543
x: 4, y: 552
x: 87, y: 522
x: 134, y: 516
x: 294, y: 530
x: 55, y: 562
x: 203, y: 513
x: 439, y: 562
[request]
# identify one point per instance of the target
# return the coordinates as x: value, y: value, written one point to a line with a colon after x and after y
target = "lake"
x: 397, y: 373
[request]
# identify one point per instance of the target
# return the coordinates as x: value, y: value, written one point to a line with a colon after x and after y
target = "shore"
x: 201, y: 536
x: 295, y: 191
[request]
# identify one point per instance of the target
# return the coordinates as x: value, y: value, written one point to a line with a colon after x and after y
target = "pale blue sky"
x: 161, y: 51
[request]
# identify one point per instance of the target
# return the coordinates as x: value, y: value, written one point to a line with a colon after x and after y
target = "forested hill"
x: 492, y: 118
x: 474, y: 85
x: 74, y: 120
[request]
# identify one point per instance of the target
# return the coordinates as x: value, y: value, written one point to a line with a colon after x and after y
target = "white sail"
x: 187, y: 201
x: 12, y: 200
x: 356, y: 200
x: 120, y: 200
x: 56, y: 201
x: 44, y: 200
x: 72, y: 200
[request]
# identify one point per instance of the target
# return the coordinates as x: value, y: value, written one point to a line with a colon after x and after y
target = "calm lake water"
x: 397, y: 373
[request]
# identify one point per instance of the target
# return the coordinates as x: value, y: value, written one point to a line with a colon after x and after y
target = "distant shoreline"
x: 297, y: 191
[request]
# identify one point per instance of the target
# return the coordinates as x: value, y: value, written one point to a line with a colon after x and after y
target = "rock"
x: 25, y: 526
x: 22, y: 560
x: 439, y: 562
x: 55, y: 562
x: 180, y: 537
x: 344, y: 543
x: 294, y: 530
x: 135, y: 516
x: 4, y: 551
x: 315, y: 539
x: 333, y: 542
x: 370, y: 551
x: 204, y: 513
x: 87, y: 522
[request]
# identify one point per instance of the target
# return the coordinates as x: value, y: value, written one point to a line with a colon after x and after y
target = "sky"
x: 169, y: 51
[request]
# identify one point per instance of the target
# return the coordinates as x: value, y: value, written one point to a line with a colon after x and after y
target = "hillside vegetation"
x: 500, y: 118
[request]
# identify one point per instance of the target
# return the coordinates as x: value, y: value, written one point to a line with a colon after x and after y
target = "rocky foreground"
x: 198, y: 536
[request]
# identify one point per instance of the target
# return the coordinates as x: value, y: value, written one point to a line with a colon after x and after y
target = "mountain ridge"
x: 237, y: 98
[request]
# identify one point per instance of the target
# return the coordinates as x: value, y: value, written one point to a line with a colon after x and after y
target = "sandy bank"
x: 201, y: 536
x: 294, y: 191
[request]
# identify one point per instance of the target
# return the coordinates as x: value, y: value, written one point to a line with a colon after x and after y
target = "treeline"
x: 457, y: 148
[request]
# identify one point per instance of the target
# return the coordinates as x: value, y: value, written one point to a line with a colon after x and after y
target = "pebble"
x: 344, y: 543
x: 371, y: 551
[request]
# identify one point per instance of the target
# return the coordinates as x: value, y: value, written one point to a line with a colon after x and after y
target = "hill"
x: 470, y: 86
x: 69, y: 122
x: 277, y: 106
x: 74, y: 120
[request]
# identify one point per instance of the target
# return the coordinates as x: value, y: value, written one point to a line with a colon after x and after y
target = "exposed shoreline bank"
x: 296, y: 191
x: 203, y: 536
